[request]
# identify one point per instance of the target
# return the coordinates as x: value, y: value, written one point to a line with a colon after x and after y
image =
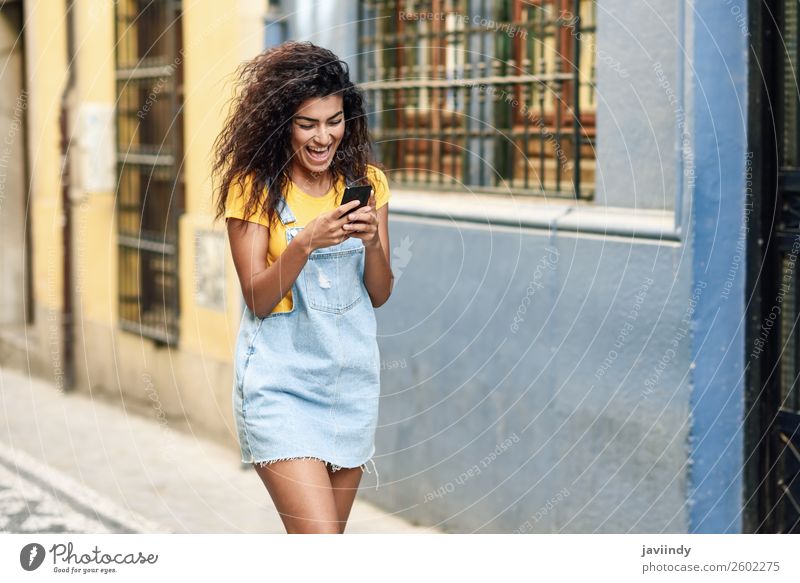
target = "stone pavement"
x: 71, y: 463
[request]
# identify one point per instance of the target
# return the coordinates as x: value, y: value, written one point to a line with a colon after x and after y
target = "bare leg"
x: 344, y: 483
x: 301, y: 491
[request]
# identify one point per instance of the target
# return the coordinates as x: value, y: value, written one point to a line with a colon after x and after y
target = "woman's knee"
x: 294, y: 526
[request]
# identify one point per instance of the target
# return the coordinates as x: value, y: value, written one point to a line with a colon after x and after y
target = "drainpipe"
x: 67, y: 326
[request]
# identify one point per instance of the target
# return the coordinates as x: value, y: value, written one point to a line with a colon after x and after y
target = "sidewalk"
x: 70, y: 463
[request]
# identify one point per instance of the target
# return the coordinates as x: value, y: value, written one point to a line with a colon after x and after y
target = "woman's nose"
x: 322, y: 138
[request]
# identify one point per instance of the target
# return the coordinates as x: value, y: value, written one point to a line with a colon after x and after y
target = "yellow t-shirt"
x: 305, y: 209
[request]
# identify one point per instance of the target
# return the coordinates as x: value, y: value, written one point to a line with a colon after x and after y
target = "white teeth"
x: 318, y: 154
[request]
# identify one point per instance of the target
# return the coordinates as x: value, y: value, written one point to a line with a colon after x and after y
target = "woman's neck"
x: 311, y: 182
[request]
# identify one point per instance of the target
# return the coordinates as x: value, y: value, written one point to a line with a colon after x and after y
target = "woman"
x: 307, y: 366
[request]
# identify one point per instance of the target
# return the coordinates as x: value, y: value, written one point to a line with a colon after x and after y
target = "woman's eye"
x: 333, y: 123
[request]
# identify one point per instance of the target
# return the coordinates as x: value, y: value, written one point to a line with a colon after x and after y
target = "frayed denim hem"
x: 332, y: 466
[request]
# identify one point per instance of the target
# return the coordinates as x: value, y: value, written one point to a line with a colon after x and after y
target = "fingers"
x: 347, y: 207
x: 364, y: 215
x: 360, y: 226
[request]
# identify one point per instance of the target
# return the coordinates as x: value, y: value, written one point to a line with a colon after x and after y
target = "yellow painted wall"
x: 94, y: 257
x: 45, y: 62
x: 215, y: 43
x: 94, y: 221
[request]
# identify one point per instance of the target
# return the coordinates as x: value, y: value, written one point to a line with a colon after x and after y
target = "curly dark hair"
x: 255, y: 142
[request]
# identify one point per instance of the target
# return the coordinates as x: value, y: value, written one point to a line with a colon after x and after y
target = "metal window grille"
x: 783, y: 477
x: 486, y: 95
x: 149, y: 81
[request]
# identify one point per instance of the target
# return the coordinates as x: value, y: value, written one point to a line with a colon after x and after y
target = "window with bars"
x: 149, y: 77
x: 479, y: 94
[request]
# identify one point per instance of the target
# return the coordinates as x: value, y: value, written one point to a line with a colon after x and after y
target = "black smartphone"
x: 359, y: 193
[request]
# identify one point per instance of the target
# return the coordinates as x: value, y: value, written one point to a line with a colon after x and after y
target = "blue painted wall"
x: 545, y: 370
x: 720, y: 123
x: 587, y: 446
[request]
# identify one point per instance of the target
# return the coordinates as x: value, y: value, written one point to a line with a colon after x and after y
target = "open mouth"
x: 318, y: 154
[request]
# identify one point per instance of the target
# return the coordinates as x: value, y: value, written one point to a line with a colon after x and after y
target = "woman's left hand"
x: 364, y: 223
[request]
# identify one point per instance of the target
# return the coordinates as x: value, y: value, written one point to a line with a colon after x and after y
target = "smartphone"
x: 359, y: 193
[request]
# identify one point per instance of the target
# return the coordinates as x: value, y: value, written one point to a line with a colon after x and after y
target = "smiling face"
x: 317, y: 130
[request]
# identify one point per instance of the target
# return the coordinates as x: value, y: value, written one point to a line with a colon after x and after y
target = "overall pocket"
x: 333, y: 277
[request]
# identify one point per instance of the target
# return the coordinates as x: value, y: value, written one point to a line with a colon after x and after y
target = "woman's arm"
x: 378, y: 276
x: 263, y: 287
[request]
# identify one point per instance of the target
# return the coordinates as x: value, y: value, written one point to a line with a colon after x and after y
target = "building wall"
x: 188, y: 384
x: 641, y: 66
x: 46, y: 74
x: 721, y: 47
x: 545, y: 367
x: 459, y: 382
x: 13, y: 184
x: 328, y: 24
x: 620, y: 420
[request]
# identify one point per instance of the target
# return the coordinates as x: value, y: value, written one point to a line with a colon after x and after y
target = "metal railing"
x: 480, y: 95
x: 150, y: 186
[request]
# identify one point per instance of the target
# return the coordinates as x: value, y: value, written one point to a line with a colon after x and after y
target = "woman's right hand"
x: 326, y: 229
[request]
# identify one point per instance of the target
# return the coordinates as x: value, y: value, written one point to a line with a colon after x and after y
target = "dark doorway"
x: 772, y: 220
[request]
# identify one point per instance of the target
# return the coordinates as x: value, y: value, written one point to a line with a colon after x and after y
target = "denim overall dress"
x: 307, y: 381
